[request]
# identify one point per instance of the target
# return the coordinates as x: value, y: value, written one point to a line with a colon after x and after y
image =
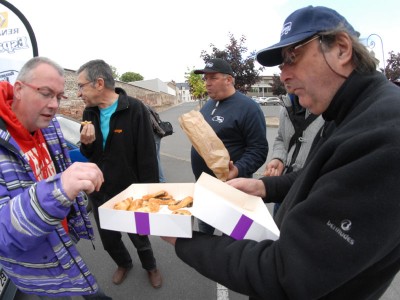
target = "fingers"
x: 79, y: 177
x: 171, y: 240
x: 249, y: 185
x: 274, y: 168
x: 267, y: 172
x: 233, y: 171
x: 87, y: 134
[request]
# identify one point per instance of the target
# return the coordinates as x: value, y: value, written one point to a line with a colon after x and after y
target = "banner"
x: 17, y: 41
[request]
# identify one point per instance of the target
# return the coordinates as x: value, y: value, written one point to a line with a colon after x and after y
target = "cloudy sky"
x: 164, y: 39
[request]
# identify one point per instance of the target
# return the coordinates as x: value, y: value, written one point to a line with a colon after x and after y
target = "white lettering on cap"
x: 286, y: 28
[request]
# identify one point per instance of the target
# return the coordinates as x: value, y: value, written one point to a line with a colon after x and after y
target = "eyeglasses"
x: 289, y: 56
x: 80, y: 86
x: 214, y: 77
x: 46, y: 92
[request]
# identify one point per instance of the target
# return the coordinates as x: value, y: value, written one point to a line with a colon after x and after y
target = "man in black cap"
x: 237, y: 120
x: 339, y: 223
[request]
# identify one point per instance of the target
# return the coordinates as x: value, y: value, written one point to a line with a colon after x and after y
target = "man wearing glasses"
x: 42, y: 211
x: 339, y: 221
x: 120, y: 141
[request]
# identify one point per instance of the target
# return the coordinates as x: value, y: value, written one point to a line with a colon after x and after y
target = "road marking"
x: 173, y: 156
x: 188, y: 160
x: 222, y: 292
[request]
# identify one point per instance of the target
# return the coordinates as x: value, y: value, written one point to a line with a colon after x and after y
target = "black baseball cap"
x: 300, y: 25
x: 216, y: 65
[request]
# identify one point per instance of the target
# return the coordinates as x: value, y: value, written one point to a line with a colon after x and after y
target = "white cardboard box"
x: 162, y: 223
x: 231, y: 211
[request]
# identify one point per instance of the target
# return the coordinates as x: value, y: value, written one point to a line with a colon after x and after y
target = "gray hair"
x: 98, y: 68
x: 25, y: 73
x: 363, y: 60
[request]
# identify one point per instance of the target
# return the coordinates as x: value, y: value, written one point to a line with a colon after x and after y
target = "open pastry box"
x: 231, y: 211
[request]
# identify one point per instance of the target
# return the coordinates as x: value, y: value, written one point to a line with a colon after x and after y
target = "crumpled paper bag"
x: 206, y: 143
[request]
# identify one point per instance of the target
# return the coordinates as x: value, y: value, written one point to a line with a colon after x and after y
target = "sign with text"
x: 17, y: 41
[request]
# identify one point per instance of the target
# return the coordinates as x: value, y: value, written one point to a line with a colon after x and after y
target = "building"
x: 183, y: 90
x: 263, y: 88
x: 155, y: 85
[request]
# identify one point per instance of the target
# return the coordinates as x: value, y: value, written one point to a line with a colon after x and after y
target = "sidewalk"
x: 272, y: 121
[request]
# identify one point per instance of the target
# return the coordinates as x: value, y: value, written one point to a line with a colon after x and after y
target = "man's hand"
x: 88, y: 135
x: 250, y: 186
x: 168, y: 239
x: 274, y: 168
x: 79, y: 177
x: 233, y: 171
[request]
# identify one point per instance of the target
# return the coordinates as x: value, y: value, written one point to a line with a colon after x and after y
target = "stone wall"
x: 74, y: 106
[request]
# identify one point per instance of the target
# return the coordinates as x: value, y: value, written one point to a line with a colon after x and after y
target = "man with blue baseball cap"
x: 339, y: 219
x: 301, y: 25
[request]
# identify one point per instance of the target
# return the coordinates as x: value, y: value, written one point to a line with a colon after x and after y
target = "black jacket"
x: 130, y: 154
x: 339, y: 223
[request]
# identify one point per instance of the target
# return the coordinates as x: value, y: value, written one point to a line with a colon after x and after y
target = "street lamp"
x: 371, y: 44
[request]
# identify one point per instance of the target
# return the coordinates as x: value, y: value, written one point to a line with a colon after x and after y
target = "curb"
x: 272, y: 121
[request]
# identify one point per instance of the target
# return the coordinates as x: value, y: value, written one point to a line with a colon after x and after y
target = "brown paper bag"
x: 206, y: 143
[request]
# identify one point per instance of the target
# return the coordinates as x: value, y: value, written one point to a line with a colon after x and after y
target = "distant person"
x: 339, y: 222
x: 42, y: 211
x: 237, y: 120
x: 157, y: 132
x: 120, y: 141
x: 297, y: 130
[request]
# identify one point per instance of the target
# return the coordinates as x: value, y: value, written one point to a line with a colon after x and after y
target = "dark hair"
x: 363, y: 60
x: 98, y: 68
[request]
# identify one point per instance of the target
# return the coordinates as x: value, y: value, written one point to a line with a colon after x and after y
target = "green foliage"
x: 131, y: 76
x: 392, y: 69
x: 246, y: 74
x: 114, y: 71
x: 196, y: 84
x: 277, y: 87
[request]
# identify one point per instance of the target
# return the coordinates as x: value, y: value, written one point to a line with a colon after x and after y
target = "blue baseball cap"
x: 300, y: 25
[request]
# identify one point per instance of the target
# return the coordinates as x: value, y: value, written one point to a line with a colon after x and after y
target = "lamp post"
x: 371, y: 44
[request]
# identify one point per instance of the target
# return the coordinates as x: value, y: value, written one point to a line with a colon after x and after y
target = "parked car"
x: 255, y: 99
x: 262, y: 100
x: 71, y: 130
x: 272, y: 101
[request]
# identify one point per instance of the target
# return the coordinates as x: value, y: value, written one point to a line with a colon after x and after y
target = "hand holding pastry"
x: 88, y: 135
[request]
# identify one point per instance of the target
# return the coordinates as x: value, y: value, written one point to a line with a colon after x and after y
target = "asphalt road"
x: 180, y: 282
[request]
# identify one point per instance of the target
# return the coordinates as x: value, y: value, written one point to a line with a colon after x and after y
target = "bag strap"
x: 299, y: 125
x: 155, y: 121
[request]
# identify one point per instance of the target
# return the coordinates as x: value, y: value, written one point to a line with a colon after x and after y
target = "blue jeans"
x: 276, y: 207
x: 157, y: 140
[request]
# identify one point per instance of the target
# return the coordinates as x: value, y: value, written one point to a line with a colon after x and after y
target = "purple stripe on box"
x: 241, y: 228
x: 142, y: 223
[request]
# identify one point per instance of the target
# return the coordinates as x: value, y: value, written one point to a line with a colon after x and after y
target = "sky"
x: 164, y: 39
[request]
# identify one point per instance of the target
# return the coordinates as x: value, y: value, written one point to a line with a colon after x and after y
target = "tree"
x: 131, y: 76
x: 246, y: 74
x: 278, y: 88
x: 196, y: 85
x: 114, y: 72
x: 392, y: 69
